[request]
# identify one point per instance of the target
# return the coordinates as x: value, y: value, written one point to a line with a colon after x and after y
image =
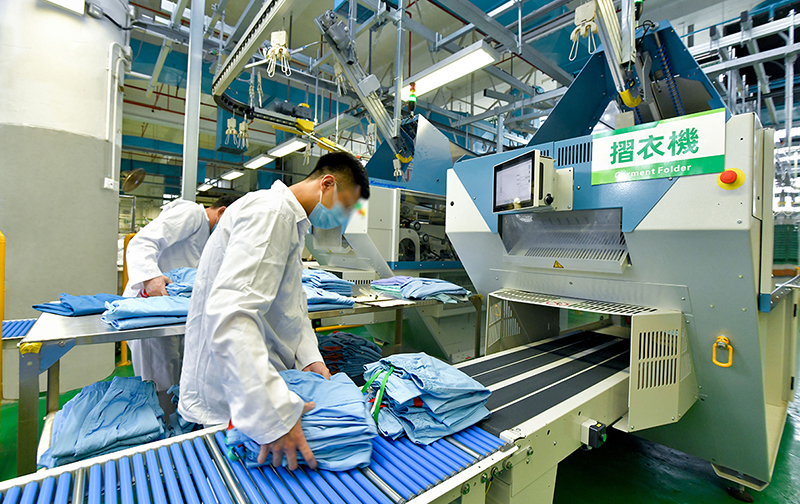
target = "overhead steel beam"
x: 194, y: 78
x: 528, y: 102
x: 248, y: 14
x: 763, y: 81
x: 496, y: 95
x: 218, y: 9
x: 757, y: 32
x: 498, y: 32
x: 483, y: 126
x: 179, y: 35
x: 753, y: 59
x: 177, y: 13
x: 525, y: 117
x: 499, y: 11
x: 541, y: 11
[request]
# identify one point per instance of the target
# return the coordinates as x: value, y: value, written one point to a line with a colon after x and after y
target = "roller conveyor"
x: 193, y: 469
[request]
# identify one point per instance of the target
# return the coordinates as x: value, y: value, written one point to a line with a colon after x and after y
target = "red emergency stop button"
x: 728, y: 177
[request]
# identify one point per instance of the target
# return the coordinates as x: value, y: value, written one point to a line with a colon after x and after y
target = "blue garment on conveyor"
x: 398, y: 281
x: 425, y: 288
x: 76, y: 306
x: 428, y: 398
x: 327, y: 281
x: 131, y: 313
x: 17, y: 328
x: 182, y: 281
x: 347, y: 353
x: 319, y: 299
x: 339, y: 429
x: 105, y: 417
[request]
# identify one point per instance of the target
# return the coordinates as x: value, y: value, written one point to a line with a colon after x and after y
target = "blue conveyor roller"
x: 194, y: 470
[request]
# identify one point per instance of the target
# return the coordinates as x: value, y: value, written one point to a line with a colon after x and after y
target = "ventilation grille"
x: 590, y: 254
x: 362, y: 282
x: 572, y: 304
x: 570, y: 155
x: 501, y: 323
x: 658, y: 359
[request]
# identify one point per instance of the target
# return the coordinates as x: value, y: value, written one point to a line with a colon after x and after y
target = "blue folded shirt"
x: 76, y: 306
x: 130, y: 313
x: 339, y: 430
x: 332, y: 300
x: 423, y: 288
x: 395, y: 280
x: 328, y: 281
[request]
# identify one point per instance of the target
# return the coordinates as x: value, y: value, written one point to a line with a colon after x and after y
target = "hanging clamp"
x: 724, y: 343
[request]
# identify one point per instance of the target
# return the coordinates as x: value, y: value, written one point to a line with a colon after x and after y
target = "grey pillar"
x: 191, y: 123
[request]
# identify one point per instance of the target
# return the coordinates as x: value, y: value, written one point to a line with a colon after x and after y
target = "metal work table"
x: 52, y: 336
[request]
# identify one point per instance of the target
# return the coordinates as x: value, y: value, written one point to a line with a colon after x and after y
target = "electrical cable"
x: 117, y: 24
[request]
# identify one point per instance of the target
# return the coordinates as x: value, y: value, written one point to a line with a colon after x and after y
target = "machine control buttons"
x: 730, y: 179
x: 593, y: 433
x: 727, y: 177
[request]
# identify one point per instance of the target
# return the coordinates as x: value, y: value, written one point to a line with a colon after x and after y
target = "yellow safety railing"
x: 123, y: 347
x: 2, y: 303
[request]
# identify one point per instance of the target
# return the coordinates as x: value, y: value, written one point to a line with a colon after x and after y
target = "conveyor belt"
x: 533, y: 378
x: 193, y: 470
x: 17, y: 328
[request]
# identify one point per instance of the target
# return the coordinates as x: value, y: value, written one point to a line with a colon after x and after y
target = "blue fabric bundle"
x: 182, y: 281
x: 339, y: 429
x: 76, y: 306
x: 319, y: 299
x: 347, y: 353
x: 426, y: 288
x: 105, y: 417
x: 427, y: 399
x: 398, y: 281
x: 328, y: 281
x: 133, y: 313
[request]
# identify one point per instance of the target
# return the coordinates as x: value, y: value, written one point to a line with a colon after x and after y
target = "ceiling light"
x: 204, y: 187
x: 258, y: 161
x: 232, y: 174
x: 287, y: 147
x: 464, y: 62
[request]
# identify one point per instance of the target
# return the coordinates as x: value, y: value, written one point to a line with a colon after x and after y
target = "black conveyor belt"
x: 566, y: 366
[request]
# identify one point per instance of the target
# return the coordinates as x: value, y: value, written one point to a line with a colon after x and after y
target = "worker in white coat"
x: 174, y: 239
x: 248, y: 317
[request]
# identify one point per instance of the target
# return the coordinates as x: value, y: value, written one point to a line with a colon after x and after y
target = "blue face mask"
x: 328, y: 218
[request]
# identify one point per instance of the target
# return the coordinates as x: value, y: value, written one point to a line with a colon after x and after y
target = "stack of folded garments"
x: 347, y: 353
x: 134, y: 313
x: 391, y: 285
x: 432, y: 288
x: 327, y: 281
x: 105, y: 417
x: 76, y: 306
x: 182, y: 281
x: 320, y: 300
x: 425, y: 398
x: 339, y: 429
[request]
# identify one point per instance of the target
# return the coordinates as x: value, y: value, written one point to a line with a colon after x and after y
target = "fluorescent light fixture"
x: 464, y: 62
x: 258, y: 161
x: 287, y: 147
x: 76, y: 6
x: 232, y: 175
x: 204, y: 187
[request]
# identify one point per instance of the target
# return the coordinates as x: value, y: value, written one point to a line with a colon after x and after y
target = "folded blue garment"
x: 328, y: 281
x: 182, y: 281
x: 331, y: 300
x: 347, y: 353
x: 339, y: 430
x: 104, y: 417
x: 132, y: 313
x: 422, y: 288
x: 395, y: 280
x: 428, y: 397
x: 75, y: 306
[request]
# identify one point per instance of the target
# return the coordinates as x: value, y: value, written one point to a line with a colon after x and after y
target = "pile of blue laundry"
x: 76, y: 306
x: 105, y: 417
x: 182, y: 281
x: 421, y: 288
x: 339, y: 429
x: 327, y: 281
x: 135, y: 313
x: 347, y: 353
x: 423, y: 397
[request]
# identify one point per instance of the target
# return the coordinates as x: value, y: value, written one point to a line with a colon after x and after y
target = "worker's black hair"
x: 224, y: 201
x: 347, y: 169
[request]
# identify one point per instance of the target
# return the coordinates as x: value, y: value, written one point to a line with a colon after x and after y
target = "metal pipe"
x: 191, y: 127
x: 788, y: 108
x: 398, y: 70
x: 499, y: 136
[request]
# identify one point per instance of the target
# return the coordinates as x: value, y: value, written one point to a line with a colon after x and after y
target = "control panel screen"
x: 513, y: 183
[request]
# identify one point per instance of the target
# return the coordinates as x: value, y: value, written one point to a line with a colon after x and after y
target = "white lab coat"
x: 248, y: 319
x: 174, y: 239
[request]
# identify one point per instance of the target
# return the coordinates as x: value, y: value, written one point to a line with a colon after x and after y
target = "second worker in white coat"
x: 174, y: 239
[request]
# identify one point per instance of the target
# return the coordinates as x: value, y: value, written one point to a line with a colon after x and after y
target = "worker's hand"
x: 289, y: 444
x: 157, y: 286
x: 319, y: 368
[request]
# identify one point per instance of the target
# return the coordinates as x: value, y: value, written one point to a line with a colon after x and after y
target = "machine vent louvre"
x: 658, y: 358
x: 570, y: 155
x: 502, y: 323
x: 572, y: 304
x: 612, y: 308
